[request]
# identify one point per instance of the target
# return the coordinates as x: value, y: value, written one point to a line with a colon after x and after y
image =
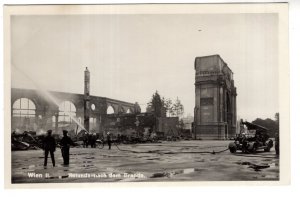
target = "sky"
x: 132, y: 56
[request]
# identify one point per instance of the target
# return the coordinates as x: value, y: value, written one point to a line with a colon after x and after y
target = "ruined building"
x: 215, y: 103
x: 32, y: 110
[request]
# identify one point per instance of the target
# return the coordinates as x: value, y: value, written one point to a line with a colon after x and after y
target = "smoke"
x: 41, y: 132
x: 47, y: 95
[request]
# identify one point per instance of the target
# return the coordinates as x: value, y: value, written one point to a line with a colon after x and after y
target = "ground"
x: 166, y: 161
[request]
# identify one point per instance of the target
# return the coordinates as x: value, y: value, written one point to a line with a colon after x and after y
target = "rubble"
x: 25, y: 141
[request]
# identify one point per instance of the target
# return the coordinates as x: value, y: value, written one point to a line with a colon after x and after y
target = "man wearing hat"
x: 49, y: 145
x: 65, y: 144
x: 108, y: 140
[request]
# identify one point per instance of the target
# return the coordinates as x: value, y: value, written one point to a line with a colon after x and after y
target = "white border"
x: 292, y: 190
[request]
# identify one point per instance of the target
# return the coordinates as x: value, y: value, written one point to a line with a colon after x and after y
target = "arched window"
x: 128, y: 111
x: 110, y: 110
x: 23, y: 115
x: 66, y: 110
x: 24, y: 107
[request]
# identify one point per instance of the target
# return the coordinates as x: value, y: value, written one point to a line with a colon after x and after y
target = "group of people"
x: 89, y: 139
x: 49, y: 145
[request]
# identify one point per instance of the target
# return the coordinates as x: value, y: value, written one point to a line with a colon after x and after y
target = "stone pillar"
x: 215, y: 108
x: 197, y: 110
x: 221, y: 105
x: 87, y: 99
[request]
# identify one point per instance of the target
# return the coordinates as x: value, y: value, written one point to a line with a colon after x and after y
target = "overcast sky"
x: 131, y: 56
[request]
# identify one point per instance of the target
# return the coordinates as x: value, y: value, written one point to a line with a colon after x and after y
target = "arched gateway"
x: 215, y: 103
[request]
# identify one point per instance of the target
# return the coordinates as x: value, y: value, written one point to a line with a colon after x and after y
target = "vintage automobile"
x: 253, y: 138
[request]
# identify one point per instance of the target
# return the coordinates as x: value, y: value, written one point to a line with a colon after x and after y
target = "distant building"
x: 215, y: 103
x: 187, y: 122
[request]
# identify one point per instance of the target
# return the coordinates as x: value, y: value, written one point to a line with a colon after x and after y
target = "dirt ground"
x: 166, y: 161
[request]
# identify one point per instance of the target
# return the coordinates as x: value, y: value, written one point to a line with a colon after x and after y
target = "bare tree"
x: 178, y: 108
x: 168, y: 106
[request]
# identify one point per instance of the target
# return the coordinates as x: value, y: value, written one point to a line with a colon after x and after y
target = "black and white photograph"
x: 146, y: 93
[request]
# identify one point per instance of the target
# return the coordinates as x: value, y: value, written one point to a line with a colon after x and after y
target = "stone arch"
x: 129, y: 111
x: 110, y: 110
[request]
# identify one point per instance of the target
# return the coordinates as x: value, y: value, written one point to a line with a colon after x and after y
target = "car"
x: 253, y: 138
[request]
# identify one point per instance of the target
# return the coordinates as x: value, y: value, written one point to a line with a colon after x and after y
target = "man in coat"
x: 108, y: 140
x: 65, y: 144
x: 49, y: 145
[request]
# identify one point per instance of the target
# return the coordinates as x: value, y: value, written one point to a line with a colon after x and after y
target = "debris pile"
x: 26, y: 141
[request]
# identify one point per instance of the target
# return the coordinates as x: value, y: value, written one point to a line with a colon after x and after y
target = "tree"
x: 277, y: 118
x: 168, y: 106
x: 272, y: 125
x: 178, y: 108
x: 155, y: 105
x: 161, y: 106
x: 277, y: 122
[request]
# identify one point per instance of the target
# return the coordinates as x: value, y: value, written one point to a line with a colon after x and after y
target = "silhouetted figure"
x: 65, y: 144
x: 49, y: 145
x: 85, y: 140
x: 277, y: 143
x: 109, y: 140
x: 93, y: 140
x: 90, y: 140
x: 13, y: 136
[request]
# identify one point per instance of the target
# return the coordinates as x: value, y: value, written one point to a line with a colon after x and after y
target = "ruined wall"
x: 46, y: 113
x: 168, y: 126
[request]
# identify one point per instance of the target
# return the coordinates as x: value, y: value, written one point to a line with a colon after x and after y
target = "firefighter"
x: 65, y: 144
x: 49, y: 145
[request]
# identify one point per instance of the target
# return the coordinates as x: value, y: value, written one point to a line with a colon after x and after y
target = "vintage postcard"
x: 146, y: 93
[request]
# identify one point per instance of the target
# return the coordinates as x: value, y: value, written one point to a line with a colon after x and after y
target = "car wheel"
x: 267, y: 149
x: 232, y: 149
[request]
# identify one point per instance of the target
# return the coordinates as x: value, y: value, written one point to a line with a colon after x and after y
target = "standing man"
x: 85, y: 140
x: 109, y: 140
x: 277, y: 143
x: 65, y: 143
x: 49, y: 145
x: 94, y: 139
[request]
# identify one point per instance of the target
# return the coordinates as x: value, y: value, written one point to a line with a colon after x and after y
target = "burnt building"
x: 215, y: 103
x: 31, y: 110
